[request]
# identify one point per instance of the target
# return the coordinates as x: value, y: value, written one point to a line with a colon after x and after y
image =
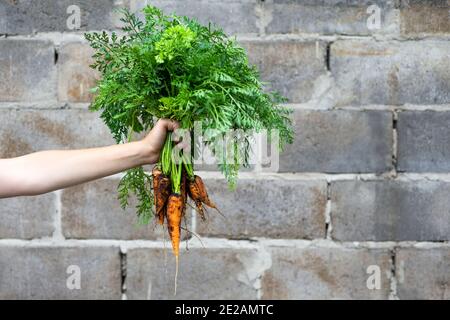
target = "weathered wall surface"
x: 363, y: 192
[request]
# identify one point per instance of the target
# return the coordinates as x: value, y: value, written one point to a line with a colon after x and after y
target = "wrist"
x: 147, y: 154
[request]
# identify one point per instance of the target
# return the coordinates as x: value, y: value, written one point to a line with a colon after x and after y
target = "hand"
x: 154, y: 141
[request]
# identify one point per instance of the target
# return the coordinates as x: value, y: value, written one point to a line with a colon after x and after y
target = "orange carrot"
x: 194, y: 193
x: 203, y: 194
x: 157, y: 175
x: 200, y: 210
x: 161, y: 189
x: 174, y: 215
x: 156, y: 171
x: 164, y: 191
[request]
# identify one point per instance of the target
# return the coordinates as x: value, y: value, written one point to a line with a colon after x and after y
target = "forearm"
x: 46, y: 171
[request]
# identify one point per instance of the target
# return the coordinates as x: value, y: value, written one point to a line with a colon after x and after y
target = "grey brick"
x: 27, y: 217
x: 204, y: 274
x: 41, y: 272
x: 30, y: 16
x: 25, y: 131
x: 324, y: 273
x: 392, y: 73
x: 290, y: 67
x: 269, y: 208
x: 27, y: 70
x: 424, y: 17
x: 327, y: 16
x: 234, y: 16
x: 423, y: 273
x: 390, y: 210
x: 423, y: 140
x: 339, y: 141
x: 75, y: 77
x: 92, y: 211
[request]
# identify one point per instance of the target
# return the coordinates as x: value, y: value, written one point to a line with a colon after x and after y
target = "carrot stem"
x: 176, y: 176
x: 166, y: 155
x: 188, y: 167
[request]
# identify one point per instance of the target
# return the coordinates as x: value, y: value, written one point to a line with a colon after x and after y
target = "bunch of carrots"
x: 172, y: 184
x: 170, y: 66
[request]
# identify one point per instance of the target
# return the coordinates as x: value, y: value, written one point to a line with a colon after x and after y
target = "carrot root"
x: 161, y: 190
x: 174, y: 215
x: 162, y: 196
x: 195, y: 235
x: 176, y: 275
x: 197, y: 192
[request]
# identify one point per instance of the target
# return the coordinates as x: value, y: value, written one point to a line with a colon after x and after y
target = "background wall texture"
x: 360, y: 208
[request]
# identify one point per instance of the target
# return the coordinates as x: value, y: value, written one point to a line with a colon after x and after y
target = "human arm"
x: 46, y: 171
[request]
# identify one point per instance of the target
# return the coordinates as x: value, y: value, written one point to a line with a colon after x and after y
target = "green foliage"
x: 138, y: 182
x: 174, y: 42
x: 174, y: 67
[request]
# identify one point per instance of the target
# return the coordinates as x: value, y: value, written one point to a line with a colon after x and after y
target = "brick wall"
x: 364, y: 187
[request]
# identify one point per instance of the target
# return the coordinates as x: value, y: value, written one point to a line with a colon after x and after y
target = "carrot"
x: 156, y: 171
x: 157, y: 175
x: 161, y: 189
x: 200, y: 210
x: 194, y: 193
x: 164, y: 191
x: 174, y: 215
x: 202, y: 193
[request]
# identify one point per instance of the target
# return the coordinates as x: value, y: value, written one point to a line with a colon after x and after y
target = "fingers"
x: 168, y: 124
x: 180, y: 138
x: 172, y: 125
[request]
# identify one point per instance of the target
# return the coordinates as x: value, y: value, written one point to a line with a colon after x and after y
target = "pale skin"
x: 46, y: 171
